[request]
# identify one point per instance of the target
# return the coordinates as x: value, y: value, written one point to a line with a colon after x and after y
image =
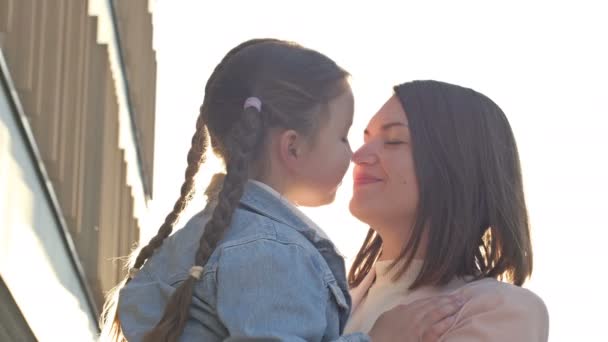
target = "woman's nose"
x: 365, y: 155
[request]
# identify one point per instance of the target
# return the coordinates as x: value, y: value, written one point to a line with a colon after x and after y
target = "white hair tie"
x: 133, y: 272
x: 196, y: 272
x: 253, y: 102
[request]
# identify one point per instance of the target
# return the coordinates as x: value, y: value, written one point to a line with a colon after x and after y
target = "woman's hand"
x: 424, y: 320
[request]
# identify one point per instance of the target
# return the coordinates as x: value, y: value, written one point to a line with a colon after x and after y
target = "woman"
x: 439, y: 182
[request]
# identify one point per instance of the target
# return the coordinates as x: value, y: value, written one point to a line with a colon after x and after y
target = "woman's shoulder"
x: 501, y: 310
x: 490, y: 290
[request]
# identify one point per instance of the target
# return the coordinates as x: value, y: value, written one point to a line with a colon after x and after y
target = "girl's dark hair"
x: 471, y: 199
x: 293, y: 83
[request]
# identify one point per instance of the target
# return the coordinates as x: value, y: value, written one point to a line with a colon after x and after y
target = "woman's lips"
x: 366, y: 180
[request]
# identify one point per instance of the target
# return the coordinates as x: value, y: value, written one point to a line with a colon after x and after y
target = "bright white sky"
x: 544, y: 63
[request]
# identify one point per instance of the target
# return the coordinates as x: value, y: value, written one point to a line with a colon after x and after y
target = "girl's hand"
x: 424, y: 320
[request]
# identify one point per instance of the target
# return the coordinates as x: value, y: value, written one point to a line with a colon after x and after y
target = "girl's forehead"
x: 341, y: 108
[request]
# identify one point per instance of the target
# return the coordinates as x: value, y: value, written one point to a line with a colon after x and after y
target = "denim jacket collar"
x: 261, y: 201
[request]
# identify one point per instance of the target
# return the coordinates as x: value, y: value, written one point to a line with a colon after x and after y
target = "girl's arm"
x: 269, y: 290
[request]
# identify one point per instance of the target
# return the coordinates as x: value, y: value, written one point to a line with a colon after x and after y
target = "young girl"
x: 252, y: 265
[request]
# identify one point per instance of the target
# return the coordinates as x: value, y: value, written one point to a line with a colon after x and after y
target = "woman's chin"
x: 360, y: 209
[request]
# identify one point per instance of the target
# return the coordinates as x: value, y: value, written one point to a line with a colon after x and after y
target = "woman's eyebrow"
x: 388, y: 126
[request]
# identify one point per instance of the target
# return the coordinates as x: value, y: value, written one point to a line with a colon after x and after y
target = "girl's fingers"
x: 437, y: 330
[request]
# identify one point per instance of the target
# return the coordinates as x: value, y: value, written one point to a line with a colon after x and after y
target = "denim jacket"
x: 271, y: 278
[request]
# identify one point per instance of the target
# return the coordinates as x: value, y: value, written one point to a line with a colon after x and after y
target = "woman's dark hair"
x: 293, y: 83
x: 471, y: 198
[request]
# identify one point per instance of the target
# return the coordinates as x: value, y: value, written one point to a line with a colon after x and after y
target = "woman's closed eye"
x: 395, y: 142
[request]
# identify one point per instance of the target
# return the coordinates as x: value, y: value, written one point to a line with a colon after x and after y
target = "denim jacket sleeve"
x: 270, y: 290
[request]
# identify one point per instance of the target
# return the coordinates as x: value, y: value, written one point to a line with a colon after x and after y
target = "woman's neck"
x: 394, y: 239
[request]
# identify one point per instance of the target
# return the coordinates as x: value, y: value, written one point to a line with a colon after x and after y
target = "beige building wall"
x: 84, y: 73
